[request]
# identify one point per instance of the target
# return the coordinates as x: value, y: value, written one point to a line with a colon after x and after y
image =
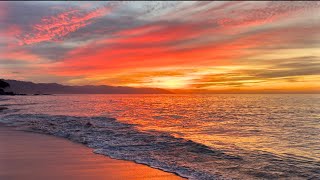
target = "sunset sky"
x: 193, y: 46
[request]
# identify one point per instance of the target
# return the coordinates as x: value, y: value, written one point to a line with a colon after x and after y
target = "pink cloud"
x: 55, y: 27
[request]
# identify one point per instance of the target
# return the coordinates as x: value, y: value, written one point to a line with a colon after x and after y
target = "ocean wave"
x: 110, y: 137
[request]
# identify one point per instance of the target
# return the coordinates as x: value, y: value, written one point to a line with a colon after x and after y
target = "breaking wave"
x: 110, y: 137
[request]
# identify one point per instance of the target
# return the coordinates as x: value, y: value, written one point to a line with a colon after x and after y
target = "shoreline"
x: 28, y: 155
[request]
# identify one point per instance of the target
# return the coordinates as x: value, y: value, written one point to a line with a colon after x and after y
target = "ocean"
x: 216, y: 136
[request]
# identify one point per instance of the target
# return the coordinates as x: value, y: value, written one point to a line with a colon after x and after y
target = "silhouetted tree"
x: 4, y: 84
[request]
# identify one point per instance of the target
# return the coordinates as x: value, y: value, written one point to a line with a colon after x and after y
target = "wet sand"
x: 25, y: 155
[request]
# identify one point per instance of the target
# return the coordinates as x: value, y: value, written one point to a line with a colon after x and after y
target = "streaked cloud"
x: 60, y: 25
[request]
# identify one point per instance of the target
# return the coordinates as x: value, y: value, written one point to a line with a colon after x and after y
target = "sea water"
x: 216, y: 136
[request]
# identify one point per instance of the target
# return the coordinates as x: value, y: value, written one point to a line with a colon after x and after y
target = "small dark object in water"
x: 3, y: 108
x: 88, y: 124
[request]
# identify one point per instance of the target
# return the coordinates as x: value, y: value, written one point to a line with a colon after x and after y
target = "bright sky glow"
x: 192, y: 46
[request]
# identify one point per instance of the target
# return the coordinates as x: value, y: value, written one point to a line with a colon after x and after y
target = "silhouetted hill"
x: 23, y: 87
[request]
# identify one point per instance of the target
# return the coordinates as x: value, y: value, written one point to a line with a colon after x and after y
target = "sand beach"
x: 26, y: 155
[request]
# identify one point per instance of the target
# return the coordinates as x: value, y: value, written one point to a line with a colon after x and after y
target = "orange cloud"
x: 118, y: 56
x: 115, y: 59
x: 199, y: 35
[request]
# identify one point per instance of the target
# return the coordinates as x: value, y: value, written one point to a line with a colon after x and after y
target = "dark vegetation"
x: 4, y: 85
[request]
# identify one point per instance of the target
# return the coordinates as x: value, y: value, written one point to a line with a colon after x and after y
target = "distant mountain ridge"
x: 24, y: 87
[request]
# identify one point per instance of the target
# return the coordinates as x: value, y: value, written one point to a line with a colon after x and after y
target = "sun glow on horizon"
x: 169, y: 82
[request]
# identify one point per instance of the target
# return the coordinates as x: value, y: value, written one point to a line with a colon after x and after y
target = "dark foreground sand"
x: 25, y: 155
